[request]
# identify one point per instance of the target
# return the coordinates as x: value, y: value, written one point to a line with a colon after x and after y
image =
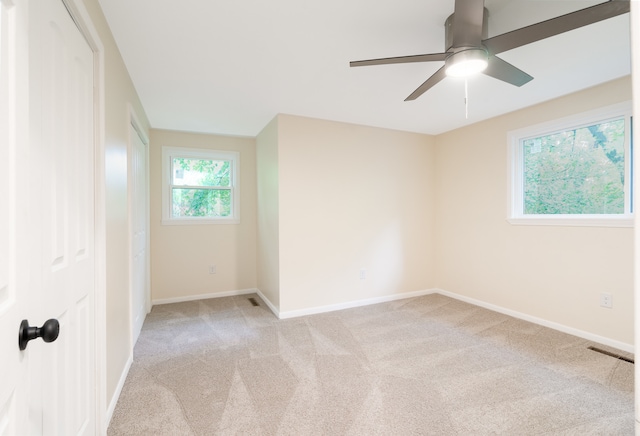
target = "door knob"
x: 48, y: 332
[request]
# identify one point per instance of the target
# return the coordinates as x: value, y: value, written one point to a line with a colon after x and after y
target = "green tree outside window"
x: 577, y: 171
x: 201, y: 188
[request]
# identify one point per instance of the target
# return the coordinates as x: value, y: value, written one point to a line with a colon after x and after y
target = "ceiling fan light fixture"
x: 466, y: 63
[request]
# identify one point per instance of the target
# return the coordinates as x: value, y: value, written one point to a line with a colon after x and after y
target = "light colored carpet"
x: 426, y: 365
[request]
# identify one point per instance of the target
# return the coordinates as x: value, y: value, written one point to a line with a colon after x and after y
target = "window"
x: 200, y: 186
x: 575, y: 171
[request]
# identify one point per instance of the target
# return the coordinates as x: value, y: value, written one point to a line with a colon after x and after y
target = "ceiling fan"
x: 469, y: 51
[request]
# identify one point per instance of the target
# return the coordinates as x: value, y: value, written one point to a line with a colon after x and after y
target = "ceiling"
x: 229, y: 66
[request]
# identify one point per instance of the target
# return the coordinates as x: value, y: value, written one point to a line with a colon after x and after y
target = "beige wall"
x: 119, y: 92
x: 553, y: 273
x: 353, y: 197
x: 268, y: 248
x: 181, y: 254
x: 334, y: 198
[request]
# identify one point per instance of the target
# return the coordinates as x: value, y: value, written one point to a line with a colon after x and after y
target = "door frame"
x: 635, y: 81
x: 81, y: 17
x: 136, y: 127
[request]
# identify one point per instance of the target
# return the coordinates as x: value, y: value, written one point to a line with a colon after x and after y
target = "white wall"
x: 553, y: 273
x: 181, y: 254
x: 268, y: 248
x: 353, y: 197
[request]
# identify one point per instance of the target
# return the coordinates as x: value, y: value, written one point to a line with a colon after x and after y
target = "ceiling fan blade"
x: 430, y: 82
x: 556, y: 26
x: 468, y: 16
x: 506, y: 72
x: 401, y: 60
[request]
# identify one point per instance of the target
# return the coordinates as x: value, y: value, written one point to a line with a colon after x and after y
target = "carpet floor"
x: 428, y: 365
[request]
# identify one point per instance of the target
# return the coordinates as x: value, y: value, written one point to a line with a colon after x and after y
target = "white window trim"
x: 168, y: 153
x: 515, y: 171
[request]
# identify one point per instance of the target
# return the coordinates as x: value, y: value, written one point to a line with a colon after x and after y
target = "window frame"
x: 170, y: 153
x: 515, y: 156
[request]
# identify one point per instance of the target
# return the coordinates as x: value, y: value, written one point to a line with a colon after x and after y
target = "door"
x: 139, y: 232
x: 50, y: 224
x: 14, y: 289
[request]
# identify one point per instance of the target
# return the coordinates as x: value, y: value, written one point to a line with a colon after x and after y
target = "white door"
x: 139, y: 233
x: 13, y: 282
x: 50, y: 224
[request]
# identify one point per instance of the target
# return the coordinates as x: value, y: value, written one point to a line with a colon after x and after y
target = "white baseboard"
x: 118, y: 391
x: 543, y: 322
x: 386, y: 298
x: 352, y: 304
x: 203, y: 296
x: 268, y: 302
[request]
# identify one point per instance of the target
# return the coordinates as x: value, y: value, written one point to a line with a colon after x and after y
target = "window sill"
x: 573, y: 221
x: 198, y: 221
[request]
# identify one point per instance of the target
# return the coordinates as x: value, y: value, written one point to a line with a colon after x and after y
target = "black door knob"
x: 48, y: 332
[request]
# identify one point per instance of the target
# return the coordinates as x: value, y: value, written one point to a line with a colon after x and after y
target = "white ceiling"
x: 229, y: 66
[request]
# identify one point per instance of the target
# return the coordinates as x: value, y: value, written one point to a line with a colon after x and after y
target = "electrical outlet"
x: 606, y: 300
x: 363, y: 273
x: 212, y: 269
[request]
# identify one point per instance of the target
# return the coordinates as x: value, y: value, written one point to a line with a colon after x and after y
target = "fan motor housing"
x: 448, y: 35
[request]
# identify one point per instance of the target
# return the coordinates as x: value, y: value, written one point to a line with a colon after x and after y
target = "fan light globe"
x: 466, y: 63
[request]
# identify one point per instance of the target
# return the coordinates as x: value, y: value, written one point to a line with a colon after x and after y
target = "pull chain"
x: 466, y: 100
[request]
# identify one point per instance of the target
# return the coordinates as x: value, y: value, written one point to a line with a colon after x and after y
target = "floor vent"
x: 608, y: 353
x: 253, y: 302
